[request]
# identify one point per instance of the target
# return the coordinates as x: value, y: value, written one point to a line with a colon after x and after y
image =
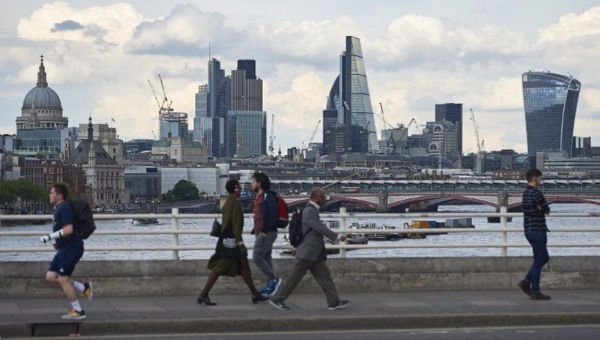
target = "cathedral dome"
x: 42, y: 96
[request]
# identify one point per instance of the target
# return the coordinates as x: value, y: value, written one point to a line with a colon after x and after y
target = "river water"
x: 97, y: 240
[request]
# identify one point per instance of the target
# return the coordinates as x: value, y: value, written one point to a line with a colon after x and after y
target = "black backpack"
x: 295, y: 234
x: 84, y: 217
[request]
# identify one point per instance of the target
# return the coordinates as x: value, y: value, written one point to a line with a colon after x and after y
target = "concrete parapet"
x: 184, y: 277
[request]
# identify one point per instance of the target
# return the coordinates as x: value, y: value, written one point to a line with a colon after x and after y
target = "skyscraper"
x: 550, y: 102
x: 351, y: 98
x: 246, y: 121
x: 454, y: 114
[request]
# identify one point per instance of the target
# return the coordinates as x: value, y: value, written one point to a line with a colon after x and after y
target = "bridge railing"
x: 343, y: 217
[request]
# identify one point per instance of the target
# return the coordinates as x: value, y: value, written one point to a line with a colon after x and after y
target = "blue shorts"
x: 65, y: 260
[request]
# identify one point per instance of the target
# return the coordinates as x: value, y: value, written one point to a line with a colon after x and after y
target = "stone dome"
x: 42, y: 96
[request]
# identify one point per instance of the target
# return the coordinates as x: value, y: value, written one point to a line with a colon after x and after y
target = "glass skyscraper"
x: 550, y: 102
x: 350, y: 97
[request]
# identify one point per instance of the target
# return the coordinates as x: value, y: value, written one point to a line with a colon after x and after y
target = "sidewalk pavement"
x: 236, y: 313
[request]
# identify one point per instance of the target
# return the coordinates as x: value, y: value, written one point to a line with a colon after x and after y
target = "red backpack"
x: 283, y: 215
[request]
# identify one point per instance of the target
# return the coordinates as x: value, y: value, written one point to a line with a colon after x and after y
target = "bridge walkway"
x: 235, y: 312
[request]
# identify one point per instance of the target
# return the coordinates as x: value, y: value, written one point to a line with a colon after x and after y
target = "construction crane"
x: 154, y: 134
x: 390, y: 143
x: 416, y: 125
x: 166, y: 100
x: 272, y: 137
x: 480, y: 149
x: 155, y: 97
x: 312, y: 136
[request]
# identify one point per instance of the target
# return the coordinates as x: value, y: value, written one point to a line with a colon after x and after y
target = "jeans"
x: 261, y: 255
x: 538, y: 240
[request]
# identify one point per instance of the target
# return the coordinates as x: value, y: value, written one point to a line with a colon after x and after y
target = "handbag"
x: 216, y: 229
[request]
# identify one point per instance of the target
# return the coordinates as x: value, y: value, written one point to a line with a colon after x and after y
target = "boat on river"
x: 144, y: 221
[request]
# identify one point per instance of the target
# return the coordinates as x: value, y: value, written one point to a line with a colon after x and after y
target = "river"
x: 97, y: 240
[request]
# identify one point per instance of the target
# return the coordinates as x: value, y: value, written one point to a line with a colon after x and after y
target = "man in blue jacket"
x: 265, y: 230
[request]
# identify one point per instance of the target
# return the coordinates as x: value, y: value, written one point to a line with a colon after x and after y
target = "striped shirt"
x: 535, y: 209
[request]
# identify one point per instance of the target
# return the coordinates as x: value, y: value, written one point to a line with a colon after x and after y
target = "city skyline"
x: 417, y: 56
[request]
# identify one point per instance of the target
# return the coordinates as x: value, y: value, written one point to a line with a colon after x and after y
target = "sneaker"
x: 74, y: 315
x: 265, y: 291
x: 340, y: 305
x: 279, y: 304
x: 88, y: 292
x: 274, y: 285
x: 524, y: 285
x: 539, y: 296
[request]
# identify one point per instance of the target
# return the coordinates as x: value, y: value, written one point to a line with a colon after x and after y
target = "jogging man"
x: 535, y: 208
x: 69, y: 246
x: 265, y: 230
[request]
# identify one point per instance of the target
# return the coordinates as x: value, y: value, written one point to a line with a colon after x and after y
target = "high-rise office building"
x: 246, y: 120
x: 453, y: 113
x: 351, y: 98
x: 550, y: 102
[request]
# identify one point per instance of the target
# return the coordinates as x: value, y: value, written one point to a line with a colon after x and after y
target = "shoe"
x: 524, y: 285
x: 265, y: 291
x: 204, y: 299
x: 279, y: 304
x: 259, y: 297
x: 274, y: 286
x: 88, y: 292
x: 74, y: 315
x: 539, y: 296
x: 340, y: 305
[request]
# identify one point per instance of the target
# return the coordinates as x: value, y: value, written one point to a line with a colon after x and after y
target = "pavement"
x: 236, y: 313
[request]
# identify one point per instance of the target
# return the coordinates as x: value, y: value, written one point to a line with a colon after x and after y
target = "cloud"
x: 68, y: 25
x: 417, y: 39
x: 58, y: 21
x: 185, y: 31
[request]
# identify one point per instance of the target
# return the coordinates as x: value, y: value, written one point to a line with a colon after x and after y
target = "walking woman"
x: 231, y: 256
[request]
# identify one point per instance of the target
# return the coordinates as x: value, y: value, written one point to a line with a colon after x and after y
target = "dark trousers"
x: 319, y: 271
x: 538, y: 240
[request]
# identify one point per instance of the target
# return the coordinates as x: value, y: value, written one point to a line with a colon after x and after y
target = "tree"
x: 183, y: 191
x: 21, y: 192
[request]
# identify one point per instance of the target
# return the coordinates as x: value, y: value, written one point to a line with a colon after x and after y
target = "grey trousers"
x: 321, y: 274
x: 261, y: 255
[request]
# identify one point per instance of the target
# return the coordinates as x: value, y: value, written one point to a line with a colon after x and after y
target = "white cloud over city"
x: 100, y: 54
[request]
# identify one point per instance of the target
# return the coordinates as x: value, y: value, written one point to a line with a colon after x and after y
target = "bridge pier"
x: 382, y: 202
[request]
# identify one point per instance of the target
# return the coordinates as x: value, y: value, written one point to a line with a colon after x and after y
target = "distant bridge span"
x: 399, y: 200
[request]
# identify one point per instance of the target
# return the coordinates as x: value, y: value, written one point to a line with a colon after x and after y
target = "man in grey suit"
x: 311, y: 255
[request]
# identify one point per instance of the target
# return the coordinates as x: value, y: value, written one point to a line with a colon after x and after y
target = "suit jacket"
x: 312, y: 247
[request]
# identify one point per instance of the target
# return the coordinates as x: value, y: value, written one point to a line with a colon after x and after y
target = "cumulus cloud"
x: 58, y: 21
x: 418, y: 39
x: 185, y: 31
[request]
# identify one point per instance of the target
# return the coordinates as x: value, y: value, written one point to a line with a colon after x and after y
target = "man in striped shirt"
x: 535, y: 208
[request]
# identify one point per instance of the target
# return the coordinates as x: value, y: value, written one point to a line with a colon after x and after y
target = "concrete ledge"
x: 184, y: 277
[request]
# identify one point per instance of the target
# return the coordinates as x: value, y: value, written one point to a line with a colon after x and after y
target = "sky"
x: 99, y: 56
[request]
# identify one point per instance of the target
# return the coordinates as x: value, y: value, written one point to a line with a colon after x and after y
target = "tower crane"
x: 390, y: 143
x: 314, y: 132
x: 155, y: 97
x: 480, y: 148
x: 312, y: 136
x: 166, y: 100
x: 272, y: 137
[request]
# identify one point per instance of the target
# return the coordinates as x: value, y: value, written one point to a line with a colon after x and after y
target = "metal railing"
x: 175, y: 231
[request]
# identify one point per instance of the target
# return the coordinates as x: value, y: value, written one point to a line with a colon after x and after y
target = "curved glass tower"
x: 550, y: 105
x: 349, y: 125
